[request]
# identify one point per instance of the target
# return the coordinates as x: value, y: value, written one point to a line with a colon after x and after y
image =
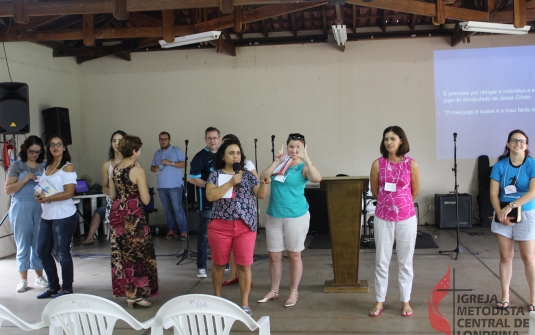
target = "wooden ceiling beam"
x: 424, y: 9
x: 35, y: 22
x: 253, y: 15
x: 100, y: 33
x: 354, y: 19
x: 89, y: 30
x: 226, y: 6
x: 120, y: 11
x: 19, y: 11
x: 519, y: 13
x: 441, y: 12
x: 508, y: 16
x: 168, y: 18
x: 238, y: 19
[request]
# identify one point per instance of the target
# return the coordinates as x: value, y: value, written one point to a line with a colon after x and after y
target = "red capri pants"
x: 225, y: 235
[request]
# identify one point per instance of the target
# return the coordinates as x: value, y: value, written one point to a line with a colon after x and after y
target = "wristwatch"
x: 512, y: 205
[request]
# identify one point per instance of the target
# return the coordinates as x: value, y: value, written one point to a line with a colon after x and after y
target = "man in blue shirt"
x: 167, y: 164
x: 200, y: 169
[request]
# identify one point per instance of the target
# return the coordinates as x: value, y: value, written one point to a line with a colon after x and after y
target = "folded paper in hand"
x: 222, y: 179
x: 46, y: 187
x: 280, y: 170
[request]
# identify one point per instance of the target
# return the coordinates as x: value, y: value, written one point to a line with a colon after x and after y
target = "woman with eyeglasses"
x: 249, y: 166
x: 134, y: 273
x: 395, y: 183
x: 58, y: 221
x: 115, y: 157
x: 233, y: 223
x: 512, y: 186
x: 287, y: 218
x: 25, y: 212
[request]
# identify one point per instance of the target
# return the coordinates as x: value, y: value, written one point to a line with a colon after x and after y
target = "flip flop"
x: 503, y: 305
x: 531, y: 307
x: 406, y: 312
x: 375, y: 312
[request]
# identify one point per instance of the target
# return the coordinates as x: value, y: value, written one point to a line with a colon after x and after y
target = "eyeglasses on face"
x: 296, y: 136
x: 212, y: 138
x: 55, y: 145
x: 516, y: 140
x: 34, y: 152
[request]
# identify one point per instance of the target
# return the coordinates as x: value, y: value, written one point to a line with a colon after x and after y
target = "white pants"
x: 404, y: 233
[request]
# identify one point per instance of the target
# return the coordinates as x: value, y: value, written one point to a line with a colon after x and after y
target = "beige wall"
x: 341, y: 102
x: 51, y: 83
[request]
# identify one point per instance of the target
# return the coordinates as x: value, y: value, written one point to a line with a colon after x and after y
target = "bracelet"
x: 512, y: 204
x: 173, y: 163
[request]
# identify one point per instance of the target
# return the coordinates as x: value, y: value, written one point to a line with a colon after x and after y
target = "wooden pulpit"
x: 344, y: 206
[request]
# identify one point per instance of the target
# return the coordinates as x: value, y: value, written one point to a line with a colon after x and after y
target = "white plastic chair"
x: 199, y: 314
x: 6, y: 314
x: 84, y: 314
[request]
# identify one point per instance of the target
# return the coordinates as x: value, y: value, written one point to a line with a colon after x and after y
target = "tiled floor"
x: 466, y: 311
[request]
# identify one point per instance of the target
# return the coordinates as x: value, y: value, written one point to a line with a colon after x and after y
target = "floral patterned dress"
x: 134, y: 273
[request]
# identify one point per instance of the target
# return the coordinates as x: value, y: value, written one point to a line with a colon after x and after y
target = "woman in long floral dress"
x: 133, y: 261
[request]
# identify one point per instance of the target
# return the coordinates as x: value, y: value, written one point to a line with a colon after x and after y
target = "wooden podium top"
x: 325, y: 180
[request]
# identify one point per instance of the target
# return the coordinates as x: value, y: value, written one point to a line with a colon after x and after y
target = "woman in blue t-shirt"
x: 512, y: 186
x: 287, y: 218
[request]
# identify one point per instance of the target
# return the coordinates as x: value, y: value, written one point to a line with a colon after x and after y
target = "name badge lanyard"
x: 509, y: 189
x: 282, y: 179
x: 391, y: 187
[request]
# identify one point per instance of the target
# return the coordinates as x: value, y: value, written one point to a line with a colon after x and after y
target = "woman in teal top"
x: 287, y: 218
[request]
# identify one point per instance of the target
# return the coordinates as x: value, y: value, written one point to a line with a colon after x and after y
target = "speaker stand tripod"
x: 187, y: 252
x: 457, y: 249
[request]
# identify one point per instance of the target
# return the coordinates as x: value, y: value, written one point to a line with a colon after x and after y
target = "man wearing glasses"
x: 200, y: 169
x: 167, y: 163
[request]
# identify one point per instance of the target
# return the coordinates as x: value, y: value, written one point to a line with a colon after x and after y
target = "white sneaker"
x: 41, y: 281
x: 22, y: 286
x: 201, y: 273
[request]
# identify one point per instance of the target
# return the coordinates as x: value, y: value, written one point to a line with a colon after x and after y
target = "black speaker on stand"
x: 445, y: 216
x: 57, y: 122
x: 14, y: 108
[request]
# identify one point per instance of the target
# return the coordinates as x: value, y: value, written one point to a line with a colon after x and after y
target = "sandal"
x: 273, y: 295
x: 139, y: 301
x: 290, y: 303
x: 406, y: 312
x: 531, y: 307
x: 89, y: 241
x: 504, y: 305
x: 375, y: 312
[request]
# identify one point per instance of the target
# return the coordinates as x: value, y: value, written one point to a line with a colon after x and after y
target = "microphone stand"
x: 187, y: 252
x: 256, y: 165
x: 457, y: 250
x: 273, y: 148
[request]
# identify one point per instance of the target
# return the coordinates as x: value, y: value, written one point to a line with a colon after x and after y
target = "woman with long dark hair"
x: 288, y: 218
x: 233, y: 223
x: 115, y: 157
x: 25, y: 212
x: 512, y: 185
x: 133, y: 260
x: 58, y: 221
x: 395, y: 183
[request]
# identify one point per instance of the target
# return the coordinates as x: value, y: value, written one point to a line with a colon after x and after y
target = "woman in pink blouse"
x: 395, y: 182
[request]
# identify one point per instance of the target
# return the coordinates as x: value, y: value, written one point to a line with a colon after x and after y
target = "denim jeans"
x: 202, y: 238
x: 25, y: 217
x: 57, y: 233
x: 171, y: 199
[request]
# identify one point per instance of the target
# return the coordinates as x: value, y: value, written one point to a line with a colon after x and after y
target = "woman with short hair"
x: 395, y: 183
